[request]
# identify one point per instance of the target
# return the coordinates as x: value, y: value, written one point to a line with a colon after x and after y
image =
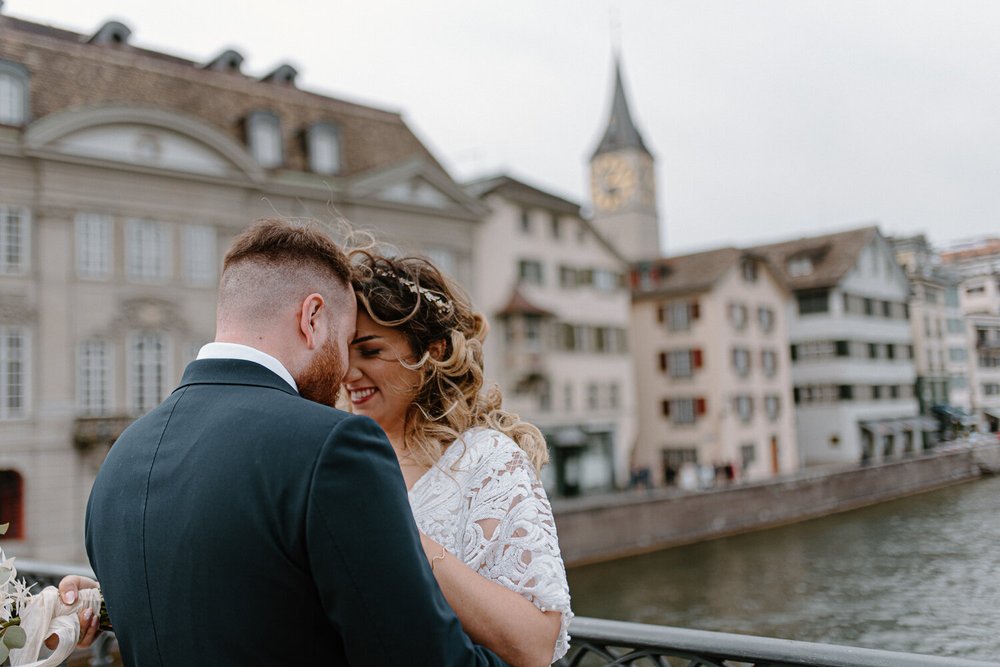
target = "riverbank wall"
x: 598, y: 528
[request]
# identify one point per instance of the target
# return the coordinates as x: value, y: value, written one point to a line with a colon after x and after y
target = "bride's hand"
x: 69, y: 591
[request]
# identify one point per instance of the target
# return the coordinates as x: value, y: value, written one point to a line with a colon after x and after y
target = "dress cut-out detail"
x: 484, y: 503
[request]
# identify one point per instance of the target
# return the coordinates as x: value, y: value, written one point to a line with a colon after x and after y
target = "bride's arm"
x: 496, y: 617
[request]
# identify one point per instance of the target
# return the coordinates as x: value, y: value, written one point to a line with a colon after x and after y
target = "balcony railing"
x: 602, y: 643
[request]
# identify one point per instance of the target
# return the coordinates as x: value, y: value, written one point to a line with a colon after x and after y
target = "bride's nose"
x: 353, y: 373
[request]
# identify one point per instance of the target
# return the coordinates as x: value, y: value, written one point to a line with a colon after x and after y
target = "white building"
x: 852, y: 348
x: 556, y: 294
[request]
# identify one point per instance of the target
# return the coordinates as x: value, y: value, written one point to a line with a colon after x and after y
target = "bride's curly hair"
x: 451, y: 396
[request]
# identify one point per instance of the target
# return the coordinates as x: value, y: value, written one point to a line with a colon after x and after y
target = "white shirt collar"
x: 247, y: 353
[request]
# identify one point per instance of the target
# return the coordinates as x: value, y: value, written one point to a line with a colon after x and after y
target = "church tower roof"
x: 621, y: 132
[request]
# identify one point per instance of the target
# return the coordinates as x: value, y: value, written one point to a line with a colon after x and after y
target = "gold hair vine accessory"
x: 442, y: 304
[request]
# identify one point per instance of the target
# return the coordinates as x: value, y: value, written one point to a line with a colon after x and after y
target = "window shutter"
x: 693, y: 310
x: 663, y: 361
x: 666, y: 408
x: 696, y: 358
x: 699, y: 406
x: 795, y: 352
x: 661, y: 313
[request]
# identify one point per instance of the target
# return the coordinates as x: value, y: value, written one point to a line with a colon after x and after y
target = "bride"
x: 471, y: 468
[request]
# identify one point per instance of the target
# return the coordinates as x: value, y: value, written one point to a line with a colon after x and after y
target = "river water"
x: 921, y: 574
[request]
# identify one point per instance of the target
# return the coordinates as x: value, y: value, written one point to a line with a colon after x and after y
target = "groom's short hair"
x: 275, y: 262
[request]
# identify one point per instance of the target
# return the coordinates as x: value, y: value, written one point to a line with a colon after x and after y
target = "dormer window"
x: 800, y: 266
x: 13, y: 93
x: 264, y: 138
x: 227, y: 61
x: 324, y: 148
x: 112, y: 32
x: 283, y: 75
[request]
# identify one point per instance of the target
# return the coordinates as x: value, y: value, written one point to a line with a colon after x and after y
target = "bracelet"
x: 437, y: 558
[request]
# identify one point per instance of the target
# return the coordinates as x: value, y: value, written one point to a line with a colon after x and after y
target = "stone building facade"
x: 124, y: 174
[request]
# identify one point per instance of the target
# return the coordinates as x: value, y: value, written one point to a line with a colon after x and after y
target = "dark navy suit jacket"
x: 240, y: 524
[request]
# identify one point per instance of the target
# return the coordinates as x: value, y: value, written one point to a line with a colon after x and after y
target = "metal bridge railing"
x: 602, y: 643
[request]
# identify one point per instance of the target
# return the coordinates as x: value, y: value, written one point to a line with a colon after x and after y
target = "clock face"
x: 613, y: 181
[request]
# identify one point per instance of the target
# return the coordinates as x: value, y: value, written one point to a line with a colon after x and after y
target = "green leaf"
x: 3, y: 528
x: 4, y: 651
x: 15, y: 637
x: 4, y: 575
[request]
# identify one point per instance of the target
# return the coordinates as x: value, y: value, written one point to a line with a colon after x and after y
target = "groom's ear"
x: 312, y: 320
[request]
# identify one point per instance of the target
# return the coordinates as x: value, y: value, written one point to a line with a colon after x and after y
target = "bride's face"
x: 377, y: 383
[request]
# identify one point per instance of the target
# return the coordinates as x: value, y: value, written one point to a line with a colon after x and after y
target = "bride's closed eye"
x: 371, y: 352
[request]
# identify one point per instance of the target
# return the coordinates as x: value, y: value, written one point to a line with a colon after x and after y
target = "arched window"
x: 12, y: 503
x: 13, y: 93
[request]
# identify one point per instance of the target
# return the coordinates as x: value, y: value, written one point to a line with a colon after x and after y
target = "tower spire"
x: 621, y: 132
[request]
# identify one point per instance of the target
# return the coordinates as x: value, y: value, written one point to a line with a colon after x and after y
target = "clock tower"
x: 623, y: 183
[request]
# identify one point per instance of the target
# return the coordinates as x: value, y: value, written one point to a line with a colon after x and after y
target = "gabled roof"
x: 621, y: 132
x: 687, y: 274
x: 518, y: 304
x: 79, y: 74
x: 525, y: 194
x: 832, y: 256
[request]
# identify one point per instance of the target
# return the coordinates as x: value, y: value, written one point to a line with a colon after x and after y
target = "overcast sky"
x: 768, y: 118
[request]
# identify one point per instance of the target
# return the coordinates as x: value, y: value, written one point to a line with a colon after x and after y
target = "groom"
x: 239, y: 523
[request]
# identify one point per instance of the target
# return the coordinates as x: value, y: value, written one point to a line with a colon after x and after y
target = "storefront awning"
x: 992, y: 412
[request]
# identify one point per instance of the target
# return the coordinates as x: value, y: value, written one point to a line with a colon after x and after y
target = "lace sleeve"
x: 510, y: 535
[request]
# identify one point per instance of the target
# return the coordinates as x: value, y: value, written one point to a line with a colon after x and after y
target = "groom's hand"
x: 69, y: 591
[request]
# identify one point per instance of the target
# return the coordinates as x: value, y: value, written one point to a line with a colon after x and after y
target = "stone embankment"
x: 612, y: 526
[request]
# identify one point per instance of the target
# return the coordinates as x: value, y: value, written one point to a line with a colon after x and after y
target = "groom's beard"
x: 320, y: 382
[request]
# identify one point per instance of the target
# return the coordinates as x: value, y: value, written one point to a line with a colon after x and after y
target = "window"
x: 869, y: 306
x: 147, y: 251
x: 743, y: 405
x: 765, y: 316
x: 955, y: 325
x: 748, y: 268
x: 324, y: 148
x: 772, y: 406
x: 769, y: 362
x: 886, y: 309
x: 605, y: 280
x: 200, y: 255
x: 554, y: 223
x: 592, y: 396
x: 680, y: 363
x: 991, y: 389
x: 13, y: 93
x: 13, y: 372
x: 957, y: 354
x: 533, y: 331
x: 12, y: 503
x: 678, y: 315
x: 544, y: 396
x: 748, y: 454
x: 741, y: 361
x: 525, y: 221
x: 683, y: 411
x: 93, y: 245
x: 813, y: 301
x: 93, y: 380
x: 530, y: 271
x: 845, y: 392
x: 800, y: 266
x: 738, y: 315
x: 15, y: 234
x: 614, y: 396
x: 567, y: 276
x: 264, y: 138
x: 148, y: 364
x: 568, y: 397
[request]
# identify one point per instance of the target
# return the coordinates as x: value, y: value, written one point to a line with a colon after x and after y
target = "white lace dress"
x: 484, y: 503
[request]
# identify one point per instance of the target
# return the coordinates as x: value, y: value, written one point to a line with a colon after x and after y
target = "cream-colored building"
x: 710, y: 340
x: 124, y: 174
x: 556, y: 295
